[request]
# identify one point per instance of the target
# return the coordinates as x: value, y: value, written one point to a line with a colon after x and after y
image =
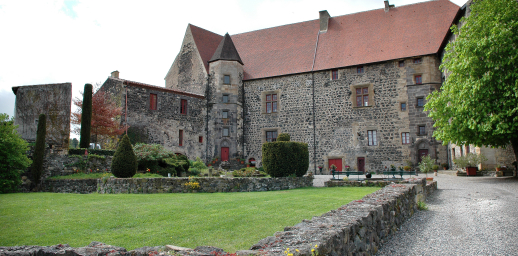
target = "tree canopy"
x: 13, y: 157
x: 105, y: 115
x: 478, y: 102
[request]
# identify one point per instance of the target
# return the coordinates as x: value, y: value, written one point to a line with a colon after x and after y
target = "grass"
x: 232, y: 221
x: 83, y: 176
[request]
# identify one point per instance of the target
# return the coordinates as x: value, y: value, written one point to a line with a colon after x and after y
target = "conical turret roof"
x: 226, y: 51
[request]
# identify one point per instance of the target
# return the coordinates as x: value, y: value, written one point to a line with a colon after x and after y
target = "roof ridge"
x: 161, y: 88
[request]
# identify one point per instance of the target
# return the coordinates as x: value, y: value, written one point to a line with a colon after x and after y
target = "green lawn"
x: 232, y: 221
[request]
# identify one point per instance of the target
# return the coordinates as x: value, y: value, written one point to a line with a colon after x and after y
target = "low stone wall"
x: 357, y: 228
x: 209, y: 185
x: 70, y: 186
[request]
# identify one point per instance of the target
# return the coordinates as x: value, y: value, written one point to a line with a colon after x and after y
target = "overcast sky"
x: 82, y: 42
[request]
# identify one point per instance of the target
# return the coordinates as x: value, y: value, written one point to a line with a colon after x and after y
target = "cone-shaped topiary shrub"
x: 283, y: 137
x: 285, y: 158
x: 39, y: 150
x: 86, y: 117
x: 124, y: 163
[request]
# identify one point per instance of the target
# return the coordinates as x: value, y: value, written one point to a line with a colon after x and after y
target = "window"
x: 405, y: 137
x: 225, y: 132
x: 225, y: 114
x: 401, y: 63
x: 152, y: 101
x: 180, y: 138
x: 422, y: 130
x: 183, y: 107
x: 225, y: 98
x: 359, y: 69
x: 334, y: 74
x: 467, y: 149
x: 362, y: 96
x: 418, y: 79
x: 226, y: 79
x: 453, y: 153
x: 418, y: 60
x: 403, y: 106
x: 420, y: 102
x: 200, y: 139
x: 372, y: 138
x: 271, y: 136
x: 271, y: 103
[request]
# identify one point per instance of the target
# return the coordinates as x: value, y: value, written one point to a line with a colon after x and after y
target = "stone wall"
x: 53, y: 100
x: 327, y: 118
x: 209, y: 185
x: 163, y: 125
x: 86, y: 186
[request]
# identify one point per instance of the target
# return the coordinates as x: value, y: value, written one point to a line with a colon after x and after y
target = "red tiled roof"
x: 206, y: 42
x: 354, y: 39
x: 158, y: 88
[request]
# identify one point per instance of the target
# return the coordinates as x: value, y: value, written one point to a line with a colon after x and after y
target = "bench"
x: 400, y: 173
x: 347, y: 173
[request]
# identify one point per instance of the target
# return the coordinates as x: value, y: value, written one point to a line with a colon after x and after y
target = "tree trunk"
x: 514, y: 144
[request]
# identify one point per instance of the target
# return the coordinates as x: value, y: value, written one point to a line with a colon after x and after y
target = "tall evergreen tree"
x: 124, y: 163
x: 86, y: 117
x: 39, y: 150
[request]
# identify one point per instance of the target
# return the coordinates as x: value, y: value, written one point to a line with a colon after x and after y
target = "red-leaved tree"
x: 105, y: 117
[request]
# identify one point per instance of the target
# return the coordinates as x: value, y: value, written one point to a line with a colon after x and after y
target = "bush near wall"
x: 100, y: 152
x: 285, y: 158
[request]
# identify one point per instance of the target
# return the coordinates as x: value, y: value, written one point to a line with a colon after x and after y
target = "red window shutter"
x: 183, y: 107
x: 200, y: 139
x: 152, y: 101
x: 180, y: 138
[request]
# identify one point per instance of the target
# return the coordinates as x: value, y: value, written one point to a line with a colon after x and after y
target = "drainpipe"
x: 314, y: 118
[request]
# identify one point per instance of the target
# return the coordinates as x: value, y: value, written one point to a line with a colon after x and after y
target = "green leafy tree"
x: 39, y: 149
x: 124, y: 163
x: 13, y: 158
x: 86, y: 117
x: 478, y: 102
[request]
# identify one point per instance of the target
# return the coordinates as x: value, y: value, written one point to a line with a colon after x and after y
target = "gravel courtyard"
x: 466, y: 216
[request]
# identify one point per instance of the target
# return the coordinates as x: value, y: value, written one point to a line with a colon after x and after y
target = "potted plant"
x: 500, y: 168
x: 435, y: 168
x: 333, y: 168
x: 426, y: 165
x: 445, y: 166
x: 470, y: 162
x: 320, y: 168
x: 407, y: 168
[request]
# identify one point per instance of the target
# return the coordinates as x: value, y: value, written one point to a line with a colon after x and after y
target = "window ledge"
x: 274, y: 113
x: 370, y: 106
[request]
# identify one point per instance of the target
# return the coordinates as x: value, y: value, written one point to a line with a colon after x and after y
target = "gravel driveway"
x: 466, y: 216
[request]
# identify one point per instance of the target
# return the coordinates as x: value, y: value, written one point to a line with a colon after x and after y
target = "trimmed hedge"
x: 86, y: 117
x: 283, y: 137
x: 124, y: 163
x: 100, y: 152
x: 39, y: 150
x: 285, y: 158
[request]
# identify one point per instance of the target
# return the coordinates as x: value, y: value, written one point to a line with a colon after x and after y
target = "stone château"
x: 352, y: 87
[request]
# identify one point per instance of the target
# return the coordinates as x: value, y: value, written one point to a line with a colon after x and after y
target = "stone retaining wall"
x: 70, y: 186
x: 209, y: 185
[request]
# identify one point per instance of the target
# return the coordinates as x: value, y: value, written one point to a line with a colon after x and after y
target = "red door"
x: 422, y: 153
x: 224, y: 154
x: 337, y: 163
x: 361, y: 164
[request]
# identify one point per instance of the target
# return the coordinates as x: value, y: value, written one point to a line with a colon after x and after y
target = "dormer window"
x: 226, y: 79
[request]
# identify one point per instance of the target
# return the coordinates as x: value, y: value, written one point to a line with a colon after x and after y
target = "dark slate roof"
x: 226, y: 51
x: 158, y: 88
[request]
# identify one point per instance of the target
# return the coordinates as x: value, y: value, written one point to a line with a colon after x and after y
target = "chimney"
x: 388, y: 6
x: 324, y: 20
x: 115, y: 74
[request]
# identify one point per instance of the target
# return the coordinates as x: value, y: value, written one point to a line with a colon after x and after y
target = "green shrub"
x: 283, y: 137
x: 124, y: 163
x: 284, y: 158
x: 86, y: 117
x: 13, y: 158
x: 39, y: 150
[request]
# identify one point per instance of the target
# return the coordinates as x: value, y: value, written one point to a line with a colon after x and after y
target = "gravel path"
x: 466, y: 216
